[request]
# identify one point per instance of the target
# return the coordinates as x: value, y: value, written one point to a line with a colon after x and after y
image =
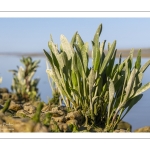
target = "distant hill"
x: 125, y: 53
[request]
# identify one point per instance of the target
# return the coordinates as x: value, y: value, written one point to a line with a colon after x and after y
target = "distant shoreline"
x: 145, y: 53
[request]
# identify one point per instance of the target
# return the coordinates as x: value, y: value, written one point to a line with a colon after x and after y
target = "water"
x: 138, y: 116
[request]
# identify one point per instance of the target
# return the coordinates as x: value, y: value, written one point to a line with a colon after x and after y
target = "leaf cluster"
x: 104, y: 93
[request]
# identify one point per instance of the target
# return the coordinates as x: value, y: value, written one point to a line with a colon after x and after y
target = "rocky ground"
x: 38, y: 116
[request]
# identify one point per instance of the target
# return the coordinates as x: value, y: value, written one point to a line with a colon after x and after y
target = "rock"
x: 20, y: 125
x: 124, y: 125
x: 54, y: 109
x: 1, y: 115
x: 11, y: 96
x: 30, y: 115
x: 7, y: 127
x: 72, y: 121
x: 46, y: 108
x: 14, y: 97
x: 2, y: 102
x: 27, y: 104
x: 4, y: 90
x: 5, y: 96
x: 122, y: 130
x: 143, y: 129
x: 63, y: 127
x: 75, y: 115
x: 24, y: 126
x: 59, y: 119
x: 116, y: 131
x: 60, y: 112
x: 15, y: 107
x: 95, y: 129
x: 1, y: 122
x: 40, y: 128
x: 56, y: 112
x: 53, y: 127
x: 21, y: 113
x: 30, y: 109
x: 4, y: 128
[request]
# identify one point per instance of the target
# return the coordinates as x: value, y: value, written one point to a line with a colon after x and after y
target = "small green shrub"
x: 23, y: 83
x: 104, y: 93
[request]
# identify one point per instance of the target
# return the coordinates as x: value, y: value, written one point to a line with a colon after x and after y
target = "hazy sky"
x: 32, y: 34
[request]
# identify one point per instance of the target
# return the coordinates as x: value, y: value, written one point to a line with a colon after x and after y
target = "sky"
x: 33, y: 34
